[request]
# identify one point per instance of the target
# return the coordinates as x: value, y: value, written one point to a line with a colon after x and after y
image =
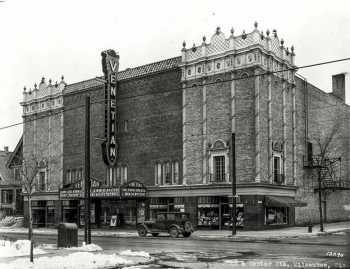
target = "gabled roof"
x: 12, y: 160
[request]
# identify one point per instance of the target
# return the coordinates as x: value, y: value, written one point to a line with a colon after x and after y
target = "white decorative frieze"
x: 227, y: 54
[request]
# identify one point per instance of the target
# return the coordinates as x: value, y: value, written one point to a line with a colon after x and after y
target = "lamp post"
x: 87, y: 181
x: 233, y: 170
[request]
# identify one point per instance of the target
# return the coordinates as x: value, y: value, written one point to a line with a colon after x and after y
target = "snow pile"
x: 89, y: 247
x: 129, y: 252
x: 86, y: 260
x: 18, y: 248
x: 11, y: 221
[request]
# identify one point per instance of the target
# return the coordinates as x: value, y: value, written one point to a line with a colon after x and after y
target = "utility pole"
x: 87, y: 185
x: 233, y: 211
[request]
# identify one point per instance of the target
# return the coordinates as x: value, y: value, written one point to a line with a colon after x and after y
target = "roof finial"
x: 256, y: 25
x: 42, y: 80
x: 232, y: 31
x: 217, y: 30
x: 204, y: 38
x: 262, y: 35
x: 184, y: 44
x: 50, y: 80
x: 24, y: 89
x: 62, y: 78
x: 274, y: 32
x: 56, y: 84
x: 287, y: 51
x: 282, y: 42
x: 35, y: 86
x: 268, y: 32
x: 244, y: 35
x: 194, y: 47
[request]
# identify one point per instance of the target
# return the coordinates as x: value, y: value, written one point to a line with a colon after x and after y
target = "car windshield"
x: 160, y: 217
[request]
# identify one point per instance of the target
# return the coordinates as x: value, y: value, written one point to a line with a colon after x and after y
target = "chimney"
x: 338, y: 86
x: 6, y: 149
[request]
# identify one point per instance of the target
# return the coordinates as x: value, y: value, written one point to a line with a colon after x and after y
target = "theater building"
x: 161, y: 138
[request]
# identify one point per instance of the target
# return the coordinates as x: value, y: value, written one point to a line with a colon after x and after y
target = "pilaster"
x: 269, y: 127
x: 204, y: 132
x: 257, y: 126
x: 184, y: 145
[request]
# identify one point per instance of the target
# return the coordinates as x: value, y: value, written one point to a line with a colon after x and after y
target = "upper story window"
x: 42, y: 181
x: 278, y: 176
x: 7, y: 196
x: 126, y: 126
x: 218, y: 65
x: 117, y: 175
x: 166, y: 173
x: 17, y: 174
x: 189, y: 72
x: 219, y: 168
x: 219, y: 162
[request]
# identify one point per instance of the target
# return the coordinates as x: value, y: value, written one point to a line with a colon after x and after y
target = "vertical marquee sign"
x: 110, y: 66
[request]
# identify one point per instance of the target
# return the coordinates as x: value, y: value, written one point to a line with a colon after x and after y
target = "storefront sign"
x: 71, y: 194
x: 110, y: 66
x: 105, y: 192
x: 133, y: 189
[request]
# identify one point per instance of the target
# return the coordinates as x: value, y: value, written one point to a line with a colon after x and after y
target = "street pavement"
x: 326, y: 251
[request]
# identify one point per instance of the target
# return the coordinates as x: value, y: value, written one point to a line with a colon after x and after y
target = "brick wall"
x: 325, y: 110
x: 42, y: 140
x: 152, y: 107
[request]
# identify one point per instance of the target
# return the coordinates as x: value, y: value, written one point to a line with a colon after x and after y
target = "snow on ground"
x: 128, y: 252
x: 87, y: 256
x: 86, y: 260
x: 17, y: 248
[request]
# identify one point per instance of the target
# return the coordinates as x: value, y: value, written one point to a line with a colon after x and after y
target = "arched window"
x: 244, y: 75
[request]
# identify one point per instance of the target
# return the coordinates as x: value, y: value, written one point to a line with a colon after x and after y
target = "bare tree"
x: 324, y: 163
x: 29, y: 171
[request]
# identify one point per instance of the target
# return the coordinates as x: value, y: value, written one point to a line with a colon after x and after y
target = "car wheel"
x: 174, y: 232
x: 186, y: 234
x: 142, y: 231
x: 188, y: 227
x: 155, y: 234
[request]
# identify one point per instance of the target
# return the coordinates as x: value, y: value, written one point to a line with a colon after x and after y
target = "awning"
x: 278, y: 201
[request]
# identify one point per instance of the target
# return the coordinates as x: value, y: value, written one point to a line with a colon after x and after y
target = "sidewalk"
x: 290, y: 232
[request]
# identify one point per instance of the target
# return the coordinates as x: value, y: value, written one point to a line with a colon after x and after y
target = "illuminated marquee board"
x: 110, y: 66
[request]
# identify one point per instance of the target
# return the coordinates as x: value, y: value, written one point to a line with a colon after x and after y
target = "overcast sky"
x: 53, y: 38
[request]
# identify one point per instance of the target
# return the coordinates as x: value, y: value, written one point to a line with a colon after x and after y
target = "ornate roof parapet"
x: 43, y: 97
x: 223, y: 54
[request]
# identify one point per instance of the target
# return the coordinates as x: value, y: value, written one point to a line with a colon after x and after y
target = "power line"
x: 182, y: 88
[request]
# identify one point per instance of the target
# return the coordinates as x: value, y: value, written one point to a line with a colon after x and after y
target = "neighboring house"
x: 11, y: 200
x: 174, y: 123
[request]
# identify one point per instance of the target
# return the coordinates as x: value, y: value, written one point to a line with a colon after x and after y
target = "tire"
x: 186, y: 234
x: 174, y: 232
x: 142, y: 231
x: 155, y: 234
x: 188, y: 227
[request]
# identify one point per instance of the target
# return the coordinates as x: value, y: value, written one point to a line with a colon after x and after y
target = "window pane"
x: 118, y: 175
x: 176, y: 173
x: 167, y: 173
x: 156, y: 174
x: 159, y: 175
x: 219, y: 168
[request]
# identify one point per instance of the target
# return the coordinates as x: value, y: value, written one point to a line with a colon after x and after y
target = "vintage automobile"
x: 174, y: 223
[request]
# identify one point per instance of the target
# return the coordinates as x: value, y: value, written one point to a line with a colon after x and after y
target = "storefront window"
x: 276, y: 215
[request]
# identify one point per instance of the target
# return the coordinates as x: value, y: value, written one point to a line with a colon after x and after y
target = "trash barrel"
x: 67, y: 235
x: 309, y: 228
